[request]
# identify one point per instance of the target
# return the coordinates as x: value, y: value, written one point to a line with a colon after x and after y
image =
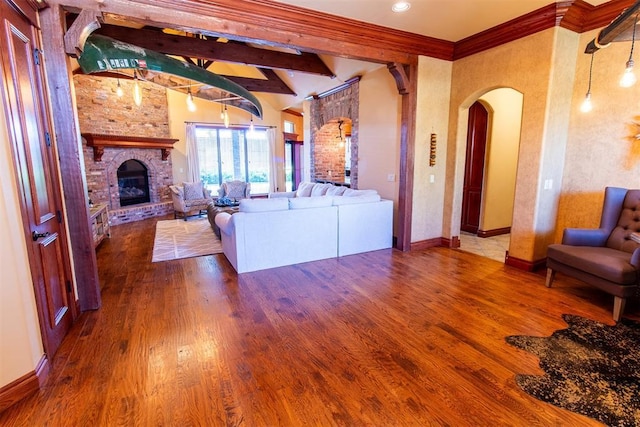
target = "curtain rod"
x: 237, y: 125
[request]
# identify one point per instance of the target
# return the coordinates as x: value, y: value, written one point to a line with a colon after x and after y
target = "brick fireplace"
x: 102, y: 112
x: 130, y: 174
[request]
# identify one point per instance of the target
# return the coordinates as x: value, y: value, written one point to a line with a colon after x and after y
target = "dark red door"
x: 474, y: 168
x: 25, y: 106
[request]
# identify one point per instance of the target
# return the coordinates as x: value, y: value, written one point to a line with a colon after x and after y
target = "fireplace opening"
x: 133, y: 183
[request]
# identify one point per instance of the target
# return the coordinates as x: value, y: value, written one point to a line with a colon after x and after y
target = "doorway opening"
x: 491, y: 159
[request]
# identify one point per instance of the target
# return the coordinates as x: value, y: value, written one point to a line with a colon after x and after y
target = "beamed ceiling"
x: 283, y: 74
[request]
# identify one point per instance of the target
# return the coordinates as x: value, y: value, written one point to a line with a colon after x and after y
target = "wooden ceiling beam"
x: 273, y: 85
x: 212, y: 50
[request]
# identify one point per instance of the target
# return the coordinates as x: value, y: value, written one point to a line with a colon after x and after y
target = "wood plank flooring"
x: 378, y: 339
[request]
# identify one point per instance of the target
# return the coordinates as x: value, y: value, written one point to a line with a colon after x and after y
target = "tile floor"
x: 488, y: 247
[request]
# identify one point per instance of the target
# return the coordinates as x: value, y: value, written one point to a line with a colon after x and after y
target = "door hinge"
x: 36, y: 56
x: 47, y: 137
x: 68, y: 286
x: 59, y: 216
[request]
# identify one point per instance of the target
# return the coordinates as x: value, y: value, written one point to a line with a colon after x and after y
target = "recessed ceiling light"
x: 401, y: 6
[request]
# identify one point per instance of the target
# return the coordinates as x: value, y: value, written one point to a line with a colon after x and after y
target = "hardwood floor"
x: 379, y: 339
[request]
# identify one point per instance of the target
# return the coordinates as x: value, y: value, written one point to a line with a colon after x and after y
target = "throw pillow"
x: 235, y: 189
x: 320, y: 189
x: 304, y: 189
x: 193, y: 190
x: 179, y: 191
x: 336, y: 190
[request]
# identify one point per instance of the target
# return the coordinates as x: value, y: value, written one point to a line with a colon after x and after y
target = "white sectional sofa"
x: 295, y: 227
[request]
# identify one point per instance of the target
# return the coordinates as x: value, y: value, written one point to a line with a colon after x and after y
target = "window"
x: 289, y: 127
x: 230, y: 154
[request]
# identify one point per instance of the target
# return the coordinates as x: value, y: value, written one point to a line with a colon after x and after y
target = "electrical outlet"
x: 432, y: 178
x: 548, y: 184
x: 391, y: 177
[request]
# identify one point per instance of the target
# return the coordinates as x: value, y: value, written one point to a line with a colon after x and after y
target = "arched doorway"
x: 497, y: 175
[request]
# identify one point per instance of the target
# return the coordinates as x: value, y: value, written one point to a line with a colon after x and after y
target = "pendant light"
x: 629, y: 78
x: 226, y: 116
x: 191, y: 106
x: 137, y: 92
x: 119, y: 90
x: 252, y: 129
x: 586, y: 104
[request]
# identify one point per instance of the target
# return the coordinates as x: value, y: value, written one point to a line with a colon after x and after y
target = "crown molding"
x: 525, y: 25
x: 575, y: 15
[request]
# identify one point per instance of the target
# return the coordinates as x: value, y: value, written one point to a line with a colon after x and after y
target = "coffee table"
x: 213, y: 210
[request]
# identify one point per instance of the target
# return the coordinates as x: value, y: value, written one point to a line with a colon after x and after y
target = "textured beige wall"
x: 379, y: 133
x: 537, y: 66
x: 602, y: 149
x: 432, y: 116
x: 501, y: 158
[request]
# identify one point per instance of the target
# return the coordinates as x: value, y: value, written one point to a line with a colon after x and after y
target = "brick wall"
x: 325, y: 147
x: 101, y: 111
x: 329, y: 152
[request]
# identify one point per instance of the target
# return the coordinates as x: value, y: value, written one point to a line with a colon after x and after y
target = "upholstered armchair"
x: 235, y: 190
x: 191, y: 198
x: 608, y: 257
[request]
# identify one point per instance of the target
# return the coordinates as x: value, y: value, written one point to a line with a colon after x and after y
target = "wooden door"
x: 36, y: 170
x: 474, y: 168
x: 296, y: 146
x: 293, y: 156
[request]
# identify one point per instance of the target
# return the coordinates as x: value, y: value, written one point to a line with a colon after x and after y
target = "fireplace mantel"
x: 99, y: 142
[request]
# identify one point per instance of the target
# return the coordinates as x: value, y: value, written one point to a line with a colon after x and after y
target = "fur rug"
x: 178, y: 238
x: 590, y: 368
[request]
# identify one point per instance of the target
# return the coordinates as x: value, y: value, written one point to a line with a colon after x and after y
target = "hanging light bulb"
x: 191, y: 106
x: 137, y: 92
x: 629, y: 78
x: 226, y: 117
x: 586, y: 104
x: 119, y: 90
x: 252, y: 129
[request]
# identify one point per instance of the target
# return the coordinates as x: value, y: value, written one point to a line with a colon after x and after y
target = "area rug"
x: 178, y: 238
x: 590, y: 368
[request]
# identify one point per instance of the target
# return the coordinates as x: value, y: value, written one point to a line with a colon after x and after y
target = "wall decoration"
x: 432, y: 150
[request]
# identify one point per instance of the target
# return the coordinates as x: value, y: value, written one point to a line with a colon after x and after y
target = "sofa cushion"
x: 606, y: 263
x: 310, y: 202
x: 336, y: 190
x: 304, y: 189
x: 350, y: 192
x: 320, y: 189
x: 193, y: 190
x: 264, y: 205
x: 345, y: 200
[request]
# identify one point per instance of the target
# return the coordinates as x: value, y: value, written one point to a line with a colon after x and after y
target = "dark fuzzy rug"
x: 590, y: 368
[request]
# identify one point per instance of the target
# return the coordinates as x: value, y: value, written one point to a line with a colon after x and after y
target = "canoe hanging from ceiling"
x: 103, y: 54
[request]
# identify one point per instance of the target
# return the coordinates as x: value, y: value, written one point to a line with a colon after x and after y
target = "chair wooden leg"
x: 550, y: 276
x: 618, y: 307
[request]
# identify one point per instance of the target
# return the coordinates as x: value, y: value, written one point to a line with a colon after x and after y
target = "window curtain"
x: 273, y: 161
x: 193, y: 162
